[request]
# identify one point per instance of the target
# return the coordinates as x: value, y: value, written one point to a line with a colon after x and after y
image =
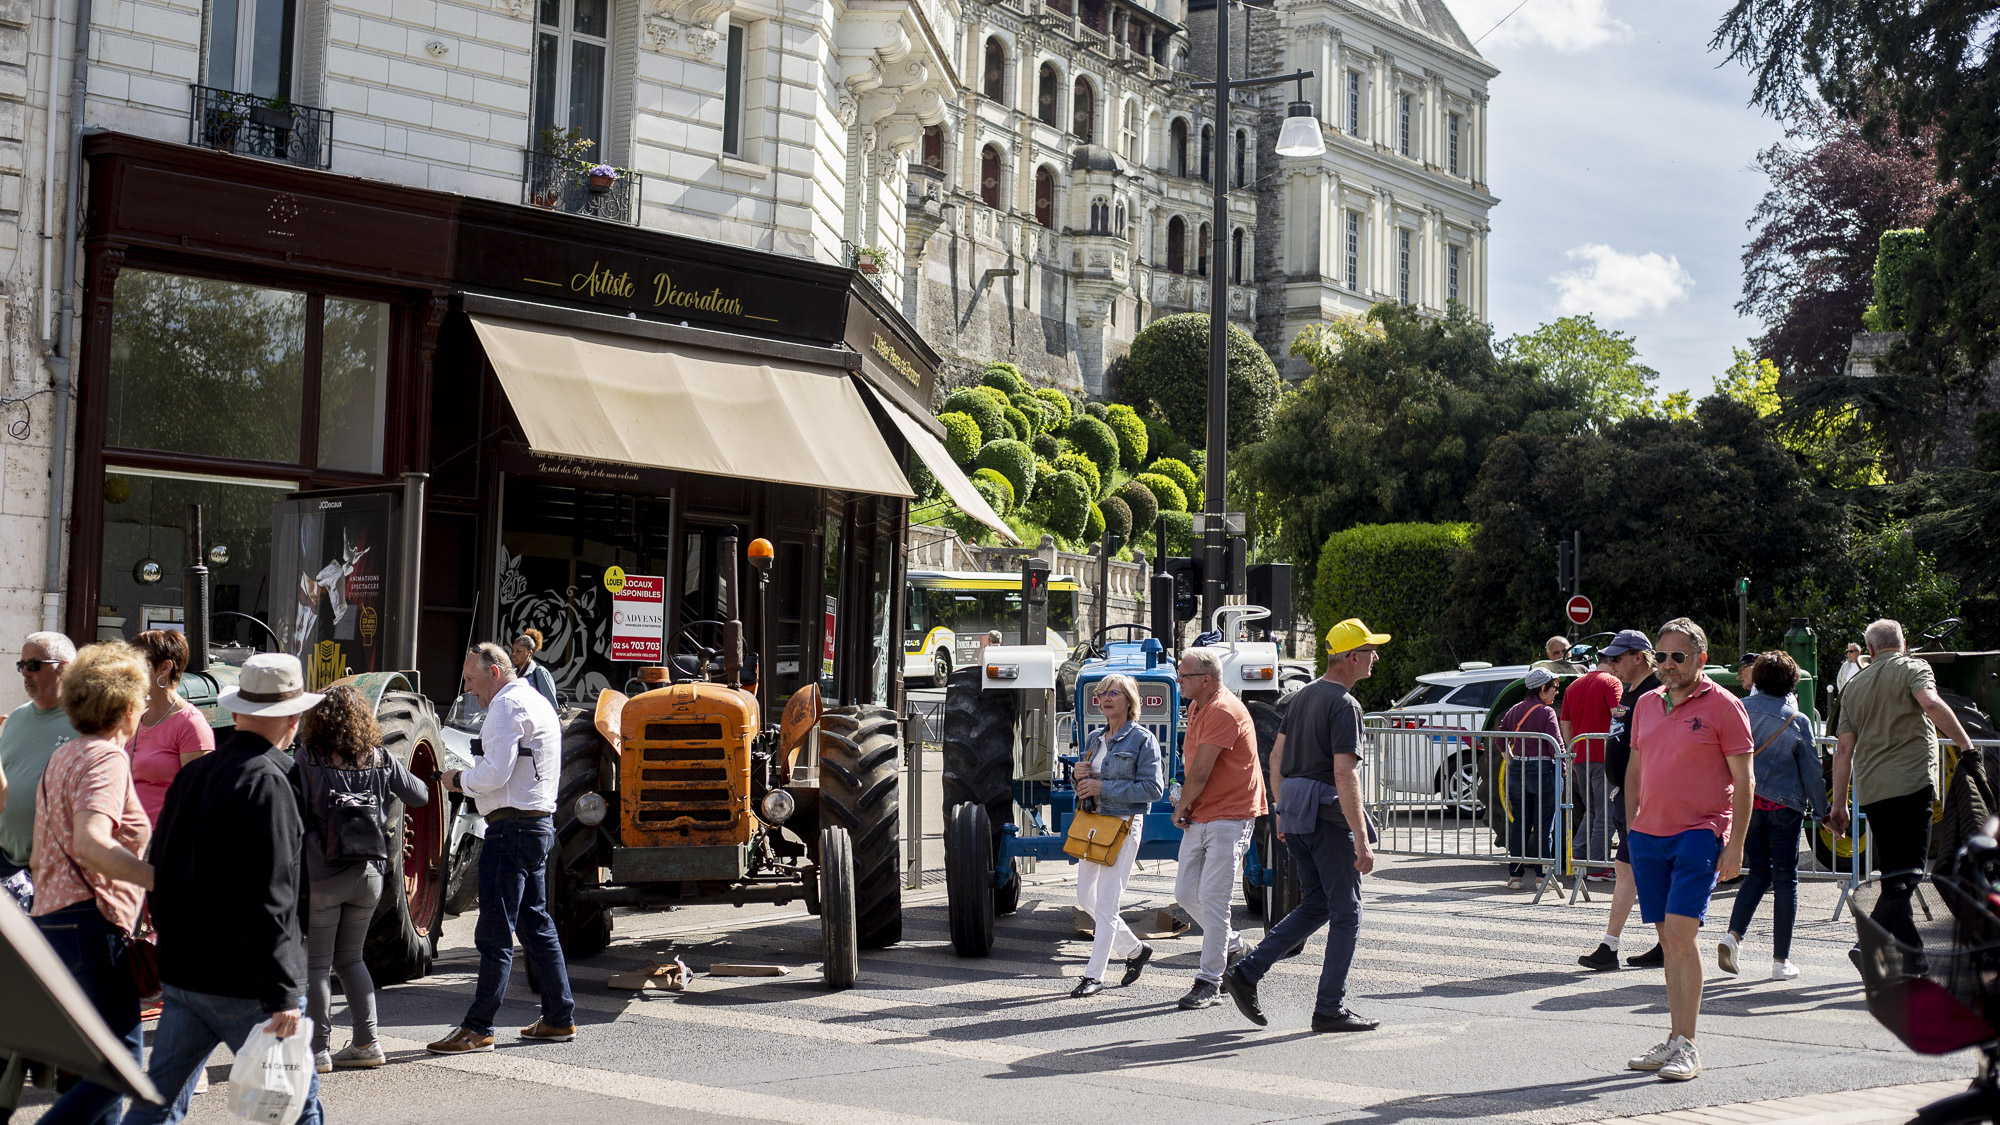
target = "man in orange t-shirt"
x: 1221, y: 799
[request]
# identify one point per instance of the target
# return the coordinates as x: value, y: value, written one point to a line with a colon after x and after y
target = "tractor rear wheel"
x: 837, y: 904
x: 402, y: 939
x: 979, y: 749
x: 1278, y: 899
x: 859, y: 750
x: 968, y: 871
x: 462, y: 888
x: 583, y: 927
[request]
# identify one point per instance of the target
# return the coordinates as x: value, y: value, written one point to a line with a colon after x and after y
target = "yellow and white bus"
x: 950, y: 610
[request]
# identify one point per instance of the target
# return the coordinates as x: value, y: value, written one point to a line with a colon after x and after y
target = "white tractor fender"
x: 1248, y: 665
x: 1026, y: 667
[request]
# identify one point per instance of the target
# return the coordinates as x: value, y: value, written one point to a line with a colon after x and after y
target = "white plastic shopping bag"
x: 271, y: 1078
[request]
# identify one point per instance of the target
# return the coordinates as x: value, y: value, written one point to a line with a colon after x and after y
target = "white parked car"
x: 1444, y: 765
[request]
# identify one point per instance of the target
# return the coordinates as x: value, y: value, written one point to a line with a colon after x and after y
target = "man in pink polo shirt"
x: 1688, y: 791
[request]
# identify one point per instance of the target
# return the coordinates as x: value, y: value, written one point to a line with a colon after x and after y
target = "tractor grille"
x: 686, y: 782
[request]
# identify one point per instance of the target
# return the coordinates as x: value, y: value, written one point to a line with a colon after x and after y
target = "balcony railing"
x: 566, y: 185
x: 269, y: 128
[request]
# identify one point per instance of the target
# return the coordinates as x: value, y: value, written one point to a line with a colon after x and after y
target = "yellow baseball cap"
x: 1350, y: 635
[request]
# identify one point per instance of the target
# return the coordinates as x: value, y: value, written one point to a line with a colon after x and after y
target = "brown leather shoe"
x: 463, y: 1041
x: 549, y: 1032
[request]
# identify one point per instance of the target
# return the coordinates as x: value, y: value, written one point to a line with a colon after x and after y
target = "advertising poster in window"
x: 638, y: 615
x: 330, y: 563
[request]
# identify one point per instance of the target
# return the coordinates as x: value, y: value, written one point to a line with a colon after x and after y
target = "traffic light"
x: 1234, y: 550
x: 1565, y: 565
x: 1186, y: 574
x: 1034, y: 599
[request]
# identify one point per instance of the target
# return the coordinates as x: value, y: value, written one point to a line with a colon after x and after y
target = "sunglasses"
x: 37, y: 665
x: 1676, y: 657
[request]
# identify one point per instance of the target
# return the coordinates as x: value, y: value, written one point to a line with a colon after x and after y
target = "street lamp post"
x: 1299, y: 136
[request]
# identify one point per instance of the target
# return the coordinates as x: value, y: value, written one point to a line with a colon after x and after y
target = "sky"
x: 1623, y: 153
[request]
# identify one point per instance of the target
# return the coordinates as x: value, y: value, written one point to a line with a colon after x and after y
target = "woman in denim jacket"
x: 1122, y: 773
x: 1789, y: 788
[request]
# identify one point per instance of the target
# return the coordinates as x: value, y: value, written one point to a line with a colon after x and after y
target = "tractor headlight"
x: 1003, y: 671
x: 1260, y: 673
x: 590, y: 809
x: 778, y: 807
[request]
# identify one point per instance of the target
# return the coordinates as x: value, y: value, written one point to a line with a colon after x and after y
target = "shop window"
x: 145, y: 549
x: 353, y: 384
x: 206, y: 367
x: 572, y: 42
x: 250, y: 46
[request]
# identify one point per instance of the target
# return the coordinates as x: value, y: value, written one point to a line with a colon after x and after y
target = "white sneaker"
x: 1683, y: 1064
x: 1784, y: 970
x: 1657, y: 1057
x: 1725, y: 954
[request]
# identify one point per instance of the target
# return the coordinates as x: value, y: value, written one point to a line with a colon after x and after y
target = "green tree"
x: 1599, y: 366
x: 1834, y: 447
x: 1166, y: 377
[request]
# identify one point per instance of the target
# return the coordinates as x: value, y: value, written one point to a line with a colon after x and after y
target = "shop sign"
x: 638, y: 615
x: 826, y: 659
x: 888, y: 362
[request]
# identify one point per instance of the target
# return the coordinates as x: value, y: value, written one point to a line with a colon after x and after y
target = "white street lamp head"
x: 1300, y: 135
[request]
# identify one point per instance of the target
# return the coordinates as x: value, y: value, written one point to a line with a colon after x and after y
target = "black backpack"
x: 352, y: 819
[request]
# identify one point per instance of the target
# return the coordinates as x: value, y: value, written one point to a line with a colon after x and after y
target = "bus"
x: 950, y: 610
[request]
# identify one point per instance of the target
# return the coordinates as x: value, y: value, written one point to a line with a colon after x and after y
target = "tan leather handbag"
x: 1095, y: 837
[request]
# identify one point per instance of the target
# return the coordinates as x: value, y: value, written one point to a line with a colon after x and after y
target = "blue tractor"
x: 1009, y: 759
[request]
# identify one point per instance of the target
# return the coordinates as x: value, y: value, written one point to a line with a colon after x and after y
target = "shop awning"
x: 931, y: 450
x: 635, y: 401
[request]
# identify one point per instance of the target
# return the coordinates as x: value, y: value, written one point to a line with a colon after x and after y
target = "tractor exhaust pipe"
x: 194, y: 594
x: 732, y: 616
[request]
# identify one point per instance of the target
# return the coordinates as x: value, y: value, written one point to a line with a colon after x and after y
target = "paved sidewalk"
x: 1852, y: 1107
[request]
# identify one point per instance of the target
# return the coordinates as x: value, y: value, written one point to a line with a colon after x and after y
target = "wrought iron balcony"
x: 270, y: 128
x: 560, y: 184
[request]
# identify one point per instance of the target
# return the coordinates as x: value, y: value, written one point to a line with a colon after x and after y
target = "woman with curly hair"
x: 349, y: 782
x: 525, y: 647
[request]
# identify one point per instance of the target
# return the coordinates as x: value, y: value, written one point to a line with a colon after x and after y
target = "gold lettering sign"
x: 896, y: 361
x: 603, y: 281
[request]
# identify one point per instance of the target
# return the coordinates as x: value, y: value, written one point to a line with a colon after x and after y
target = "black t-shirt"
x: 1323, y: 719
x: 1618, y: 746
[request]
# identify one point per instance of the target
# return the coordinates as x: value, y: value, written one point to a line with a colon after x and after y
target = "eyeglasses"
x: 1185, y: 675
x: 1676, y: 657
x: 36, y: 665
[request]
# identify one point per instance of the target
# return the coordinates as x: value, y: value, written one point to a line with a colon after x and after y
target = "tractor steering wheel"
x: 1937, y: 633
x: 701, y: 652
x: 1097, y: 638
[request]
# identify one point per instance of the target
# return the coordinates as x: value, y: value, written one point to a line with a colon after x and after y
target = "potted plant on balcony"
x: 276, y: 113
x: 601, y: 177
x: 870, y: 259
x: 558, y: 160
x: 221, y: 123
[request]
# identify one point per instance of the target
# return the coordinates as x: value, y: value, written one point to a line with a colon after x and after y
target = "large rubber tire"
x: 968, y: 879
x: 1265, y: 717
x: 859, y: 751
x: 842, y: 962
x: 979, y: 749
x: 402, y: 939
x: 580, y: 849
x: 1836, y: 853
x: 462, y: 885
x: 941, y: 674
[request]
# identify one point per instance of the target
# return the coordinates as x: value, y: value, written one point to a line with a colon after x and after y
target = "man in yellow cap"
x: 1322, y: 825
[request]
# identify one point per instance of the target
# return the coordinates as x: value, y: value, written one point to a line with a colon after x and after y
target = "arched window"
x: 1100, y: 215
x: 995, y: 84
x: 1176, y: 245
x: 1118, y: 222
x: 1242, y: 156
x: 934, y: 147
x: 1177, y: 144
x: 1201, y: 251
x: 1207, y: 148
x: 989, y: 176
x: 1045, y: 196
x: 1236, y: 256
x: 1045, y: 93
x: 1130, y: 129
x: 1083, y: 122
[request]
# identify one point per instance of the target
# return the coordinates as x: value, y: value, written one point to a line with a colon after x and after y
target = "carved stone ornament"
x: 845, y: 110
x: 659, y: 33
x: 519, y: 9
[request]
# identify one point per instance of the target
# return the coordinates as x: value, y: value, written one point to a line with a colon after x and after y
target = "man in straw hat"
x: 226, y: 889
x: 1320, y: 818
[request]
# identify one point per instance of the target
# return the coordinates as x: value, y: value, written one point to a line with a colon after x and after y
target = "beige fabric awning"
x: 642, y: 402
x: 931, y: 450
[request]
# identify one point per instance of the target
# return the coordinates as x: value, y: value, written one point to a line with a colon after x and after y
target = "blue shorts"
x: 1675, y: 874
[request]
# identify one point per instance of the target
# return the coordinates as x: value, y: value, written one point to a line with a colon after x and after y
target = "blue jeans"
x: 191, y: 1027
x: 93, y: 951
x: 1534, y: 814
x: 1330, y: 892
x: 1770, y: 862
x: 513, y: 899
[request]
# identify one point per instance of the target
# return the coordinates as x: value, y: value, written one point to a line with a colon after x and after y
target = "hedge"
x: 983, y: 411
x: 1092, y: 438
x: 1145, y: 509
x: 1015, y: 461
x: 1084, y: 467
x: 1397, y: 578
x: 1005, y: 378
x: 961, y: 436
x: 1117, y: 518
x: 1131, y: 433
x: 1895, y: 252
x: 1178, y: 472
x: 1169, y: 494
x: 1058, y: 402
x: 998, y: 491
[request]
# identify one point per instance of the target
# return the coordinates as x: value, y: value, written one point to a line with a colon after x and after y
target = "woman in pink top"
x: 172, y: 732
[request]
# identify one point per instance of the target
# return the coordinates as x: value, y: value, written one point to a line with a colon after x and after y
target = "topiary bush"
x: 1117, y: 517
x: 997, y: 489
x: 1084, y: 467
x: 1895, y: 251
x: 1166, y: 375
x: 1164, y: 442
x: 1018, y: 422
x: 1180, y: 474
x: 1169, y: 494
x: 961, y: 436
x: 1095, y: 410
x: 1093, y: 528
x: 1092, y: 438
x: 1047, y: 447
x: 1064, y: 505
x: 1044, y: 469
x: 1145, y: 508
x: 1397, y: 578
x: 983, y: 411
x: 1015, y: 461
x: 1180, y: 533
x: 923, y: 482
x: 1131, y: 434
x: 1038, y: 415
x: 1058, y: 402
x: 1005, y: 378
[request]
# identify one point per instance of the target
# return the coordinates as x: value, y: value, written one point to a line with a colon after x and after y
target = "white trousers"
x: 1098, y: 889
x: 1211, y: 862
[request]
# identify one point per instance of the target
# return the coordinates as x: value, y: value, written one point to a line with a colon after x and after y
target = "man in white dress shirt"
x: 514, y: 787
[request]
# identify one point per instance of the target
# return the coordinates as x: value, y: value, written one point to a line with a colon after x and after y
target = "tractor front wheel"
x: 584, y: 927
x: 402, y: 939
x: 859, y: 749
x: 968, y: 878
x: 979, y: 749
x: 837, y: 907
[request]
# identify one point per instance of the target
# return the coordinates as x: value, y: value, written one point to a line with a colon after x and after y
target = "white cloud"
x: 1564, y: 25
x: 1617, y: 286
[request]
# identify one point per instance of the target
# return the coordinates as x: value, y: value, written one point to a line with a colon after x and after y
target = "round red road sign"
x: 1579, y: 610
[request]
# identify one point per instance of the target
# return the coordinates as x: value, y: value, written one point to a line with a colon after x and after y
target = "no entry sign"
x: 638, y: 618
x: 1579, y: 610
